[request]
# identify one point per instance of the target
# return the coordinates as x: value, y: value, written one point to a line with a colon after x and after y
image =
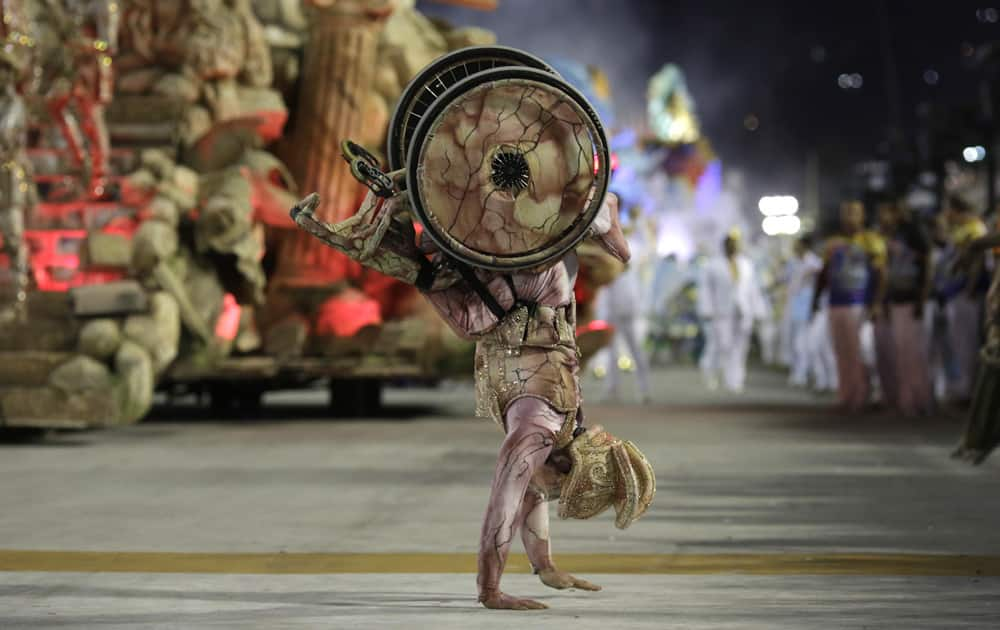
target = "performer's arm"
x: 523, y: 452
x: 985, y: 242
x: 606, y: 230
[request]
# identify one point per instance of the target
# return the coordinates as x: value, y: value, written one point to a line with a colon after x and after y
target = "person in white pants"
x: 964, y: 309
x: 822, y: 360
x: 729, y: 301
x: 767, y: 332
x: 620, y: 306
x: 940, y: 357
x: 801, y: 278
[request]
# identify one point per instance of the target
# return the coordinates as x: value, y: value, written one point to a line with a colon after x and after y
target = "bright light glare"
x: 778, y: 205
x: 785, y: 224
x: 974, y: 154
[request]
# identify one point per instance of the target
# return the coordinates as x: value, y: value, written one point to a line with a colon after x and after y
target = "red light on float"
x: 595, y: 325
x: 343, y: 315
x: 228, y: 324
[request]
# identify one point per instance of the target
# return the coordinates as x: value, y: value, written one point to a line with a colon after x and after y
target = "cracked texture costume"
x: 506, y: 172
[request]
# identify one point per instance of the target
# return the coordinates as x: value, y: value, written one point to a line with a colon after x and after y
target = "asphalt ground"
x: 772, y: 511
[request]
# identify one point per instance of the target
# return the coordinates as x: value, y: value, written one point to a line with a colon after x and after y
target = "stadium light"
x: 787, y: 224
x: 974, y: 154
x: 778, y: 205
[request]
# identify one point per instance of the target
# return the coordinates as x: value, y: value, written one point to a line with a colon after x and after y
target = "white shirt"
x: 720, y: 295
x: 802, y: 273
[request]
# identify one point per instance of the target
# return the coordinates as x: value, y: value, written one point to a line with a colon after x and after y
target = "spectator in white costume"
x: 800, y: 273
x: 729, y: 302
x: 622, y: 305
x: 821, y: 358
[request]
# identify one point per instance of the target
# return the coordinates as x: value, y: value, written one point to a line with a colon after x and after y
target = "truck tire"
x: 355, y: 398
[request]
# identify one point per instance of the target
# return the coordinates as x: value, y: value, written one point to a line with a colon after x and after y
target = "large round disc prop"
x: 432, y: 81
x: 508, y: 169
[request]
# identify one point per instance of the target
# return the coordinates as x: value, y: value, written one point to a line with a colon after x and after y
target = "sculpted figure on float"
x: 505, y: 167
x: 16, y: 188
x: 79, y: 39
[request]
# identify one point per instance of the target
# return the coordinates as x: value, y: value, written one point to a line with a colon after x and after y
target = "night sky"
x: 777, y: 60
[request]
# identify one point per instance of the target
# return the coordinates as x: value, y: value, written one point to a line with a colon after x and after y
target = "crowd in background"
x: 888, y: 311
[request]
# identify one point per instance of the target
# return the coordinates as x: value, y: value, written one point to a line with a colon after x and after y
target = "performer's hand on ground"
x: 498, y: 600
x: 560, y: 579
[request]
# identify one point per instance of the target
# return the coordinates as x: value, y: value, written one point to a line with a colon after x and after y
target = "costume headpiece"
x: 606, y: 471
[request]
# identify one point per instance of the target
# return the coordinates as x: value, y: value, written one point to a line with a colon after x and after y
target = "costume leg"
x: 817, y: 366
x: 767, y: 335
x: 611, y: 356
x: 628, y: 332
x: 885, y: 361
x: 827, y: 354
x: 717, y: 352
x: 964, y: 327
x: 910, y: 348
x: 735, y: 359
x: 787, y: 338
x: 824, y: 361
x: 852, y: 375
x: 531, y: 427
x: 934, y: 333
x: 982, y: 431
x: 799, y: 354
x: 709, y: 355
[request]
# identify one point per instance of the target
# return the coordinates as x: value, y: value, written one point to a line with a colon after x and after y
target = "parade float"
x: 160, y: 147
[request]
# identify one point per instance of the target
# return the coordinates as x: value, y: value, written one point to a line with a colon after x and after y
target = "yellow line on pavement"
x: 677, y: 564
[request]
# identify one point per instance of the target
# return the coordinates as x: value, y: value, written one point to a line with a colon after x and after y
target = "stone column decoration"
x: 338, y: 72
